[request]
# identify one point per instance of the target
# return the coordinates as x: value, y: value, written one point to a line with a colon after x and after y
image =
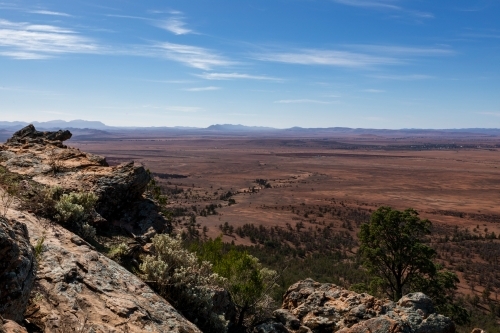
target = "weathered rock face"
x: 78, y: 288
x: 9, y: 326
x: 123, y: 185
x: 42, y: 157
x: 17, y: 269
x: 309, y: 306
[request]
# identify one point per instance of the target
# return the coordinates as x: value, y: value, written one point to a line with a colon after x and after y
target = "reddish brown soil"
x: 450, y: 185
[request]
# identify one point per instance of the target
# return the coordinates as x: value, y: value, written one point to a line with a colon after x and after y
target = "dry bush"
x: 185, y: 281
x: 6, y: 199
x: 8, y: 192
x: 75, y: 210
x: 55, y: 161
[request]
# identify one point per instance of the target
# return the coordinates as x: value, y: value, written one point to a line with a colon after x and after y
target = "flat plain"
x: 294, y: 183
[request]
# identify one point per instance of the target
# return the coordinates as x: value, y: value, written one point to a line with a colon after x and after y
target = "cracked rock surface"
x: 312, y: 307
x: 77, y: 287
x: 17, y: 269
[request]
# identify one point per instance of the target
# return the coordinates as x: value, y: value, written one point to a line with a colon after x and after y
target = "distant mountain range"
x: 85, y: 128
x: 15, y: 125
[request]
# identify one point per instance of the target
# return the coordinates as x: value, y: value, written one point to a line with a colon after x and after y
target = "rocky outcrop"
x: 123, y: 185
x: 29, y: 135
x: 17, y: 269
x: 77, y: 288
x: 312, y: 307
x: 42, y: 157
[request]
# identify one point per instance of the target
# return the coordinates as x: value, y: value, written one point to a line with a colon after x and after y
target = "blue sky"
x: 280, y: 63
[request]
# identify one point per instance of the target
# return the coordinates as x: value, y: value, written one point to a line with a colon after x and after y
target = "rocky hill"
x: 76, y: 287
x: 52, y: 280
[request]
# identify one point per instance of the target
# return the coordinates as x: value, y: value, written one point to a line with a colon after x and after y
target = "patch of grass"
x: 39, y: 248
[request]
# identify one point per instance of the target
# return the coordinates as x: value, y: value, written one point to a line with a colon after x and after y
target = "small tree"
x: 246, y: 280
x: 392, y: 248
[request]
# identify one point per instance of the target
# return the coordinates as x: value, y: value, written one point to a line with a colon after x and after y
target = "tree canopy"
x: 394, y: 249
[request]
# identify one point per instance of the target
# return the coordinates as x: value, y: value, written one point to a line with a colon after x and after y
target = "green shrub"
x: 249, y: 283
x: 75, y: 210
x: 118, y: 252
x: 185, y: 281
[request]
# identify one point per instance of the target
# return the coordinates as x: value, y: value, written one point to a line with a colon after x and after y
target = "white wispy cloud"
x: 49, y: 12
x: 396, y: 50
x: 203, y: 88
x: 327, y: 58
x: 30, y: 41
x: 23, y: 55
x: 233, y: 76
x: 408, y: 77
x: 129, y: 17
x: 369, y: 4
x: 175, y: 25
x: 374, y: 91
x: 193, y: 56
x: 296, y: 101
x: 354, y: 55
x: 391, y: 5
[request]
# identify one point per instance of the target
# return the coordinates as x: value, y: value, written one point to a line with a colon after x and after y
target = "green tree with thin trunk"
x: 393, y: 249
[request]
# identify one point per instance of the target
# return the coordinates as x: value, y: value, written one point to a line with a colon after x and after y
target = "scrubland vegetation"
x: 311, y: 246
x: 320, y: 242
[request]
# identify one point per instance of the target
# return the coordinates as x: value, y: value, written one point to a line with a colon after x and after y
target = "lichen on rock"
x: 17, y: 269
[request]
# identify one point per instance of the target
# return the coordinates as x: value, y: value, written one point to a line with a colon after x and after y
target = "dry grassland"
x: 333, y: 182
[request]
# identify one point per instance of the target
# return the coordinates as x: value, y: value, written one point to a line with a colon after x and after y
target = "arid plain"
x: 294, y: 183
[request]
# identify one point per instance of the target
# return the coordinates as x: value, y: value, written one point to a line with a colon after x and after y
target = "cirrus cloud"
x: 192, y: 56
x: 233, y: 76
x: 21, y: 40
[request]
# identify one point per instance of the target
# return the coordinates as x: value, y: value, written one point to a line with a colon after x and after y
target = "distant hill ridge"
x: 11, y: 126
x: 78, y: 123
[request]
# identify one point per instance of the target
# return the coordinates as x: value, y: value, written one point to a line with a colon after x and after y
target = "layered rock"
x: 42, y: 157
x: 79, y: 288
x: 312, y: 307
x: 17, y: 269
